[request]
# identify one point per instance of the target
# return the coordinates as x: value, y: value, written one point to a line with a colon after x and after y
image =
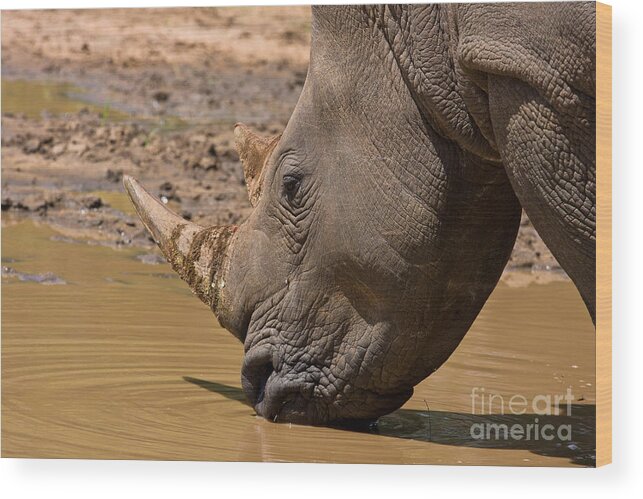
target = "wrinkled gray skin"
x: 385, y: 213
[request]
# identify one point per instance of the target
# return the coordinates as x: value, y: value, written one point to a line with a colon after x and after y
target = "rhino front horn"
x: 254, y: 151
x: 196, y: 253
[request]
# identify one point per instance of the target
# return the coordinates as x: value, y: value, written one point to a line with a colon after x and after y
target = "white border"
x: 114, y: 479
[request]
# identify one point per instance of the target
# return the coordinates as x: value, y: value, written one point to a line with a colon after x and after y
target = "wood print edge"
x: 604, y: 234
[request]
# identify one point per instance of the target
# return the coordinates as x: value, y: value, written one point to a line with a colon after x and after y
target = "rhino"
x: 386, y: 211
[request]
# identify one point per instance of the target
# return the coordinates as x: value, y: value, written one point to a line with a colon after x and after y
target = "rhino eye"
x: 291, y: 186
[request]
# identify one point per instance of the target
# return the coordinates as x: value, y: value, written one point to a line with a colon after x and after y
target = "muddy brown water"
x: 123, y: 362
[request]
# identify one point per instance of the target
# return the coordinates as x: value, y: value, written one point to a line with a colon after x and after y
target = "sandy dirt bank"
x: 90, y: 95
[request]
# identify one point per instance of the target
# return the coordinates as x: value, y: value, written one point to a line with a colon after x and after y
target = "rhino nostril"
x: 257, y: 368
x: 263, y: 374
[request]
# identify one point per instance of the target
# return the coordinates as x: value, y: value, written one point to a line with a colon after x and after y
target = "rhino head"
x: 373, y: 242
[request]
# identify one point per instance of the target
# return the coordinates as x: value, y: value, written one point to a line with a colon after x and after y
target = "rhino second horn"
x: 196, y: 253
x: 254, y: 151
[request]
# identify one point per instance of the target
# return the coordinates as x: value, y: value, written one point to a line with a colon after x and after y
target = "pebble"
x: 151, y: 259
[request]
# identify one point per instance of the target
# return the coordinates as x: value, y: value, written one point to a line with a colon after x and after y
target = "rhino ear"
x: 254, y: 151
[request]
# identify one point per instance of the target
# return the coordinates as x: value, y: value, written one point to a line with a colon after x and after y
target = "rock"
x: 7, y: 203
x: 167, y: 192
x: 10, y: 204
x: 47, y: 278
x: 64, y: 239
x: 92, y: 202
x: 114, y: 175
x: 116, y: 134
x: 208, y: 163
x: 291, y: 37
x: 197, y: 139
x: 8, y: 271
x: 31, y: 146
x: 51, y: 68
x: 58, y: 149
x: 166, y: 187
x: 161, y: 96
x: 77, y: 147
x: 101, y: 132
x: 40, y: 203
x: 151, y: 259
x: 44, y: 278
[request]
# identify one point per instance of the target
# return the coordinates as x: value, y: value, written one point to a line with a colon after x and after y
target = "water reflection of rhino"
x: 386, y: 211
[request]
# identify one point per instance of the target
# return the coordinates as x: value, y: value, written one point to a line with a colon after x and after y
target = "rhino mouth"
x: 267, y: 390
x: 293, y: 397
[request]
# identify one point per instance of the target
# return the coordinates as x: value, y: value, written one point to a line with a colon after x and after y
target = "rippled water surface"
x: 122, y: 361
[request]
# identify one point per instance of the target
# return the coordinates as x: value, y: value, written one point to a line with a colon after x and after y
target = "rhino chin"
x: 283, y: 401
x: 299, y: 409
